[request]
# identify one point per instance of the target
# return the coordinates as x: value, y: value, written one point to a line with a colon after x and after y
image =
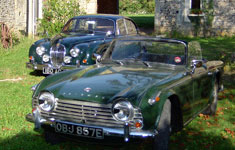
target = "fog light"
x: 31, y: 58
x: 67, y: 59
x: 34, y: 109
x: 46, y: 58
x: 138, y: 124
x: 84, y: 61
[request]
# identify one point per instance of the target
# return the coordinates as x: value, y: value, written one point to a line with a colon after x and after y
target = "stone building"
x: 195, y: 17
x: 22, y: 15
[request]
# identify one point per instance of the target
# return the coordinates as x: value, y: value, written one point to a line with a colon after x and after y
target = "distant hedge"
x: 136, y: 6
x: 56, y: 13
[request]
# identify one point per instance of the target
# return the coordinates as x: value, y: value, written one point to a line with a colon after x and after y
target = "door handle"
x: 210, y: 73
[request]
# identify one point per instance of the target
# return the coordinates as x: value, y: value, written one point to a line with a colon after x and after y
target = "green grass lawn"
x: 143, y: 21
x: 205, y: 132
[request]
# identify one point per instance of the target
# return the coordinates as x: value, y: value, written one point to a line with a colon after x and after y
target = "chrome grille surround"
x: 88, y: 113
x: 57, y: 53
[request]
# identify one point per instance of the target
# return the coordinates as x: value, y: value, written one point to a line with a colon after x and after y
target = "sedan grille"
x: 86, y: 113
x: 57, y: 55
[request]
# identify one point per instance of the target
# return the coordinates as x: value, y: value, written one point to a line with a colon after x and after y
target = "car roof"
x: 104, y: 16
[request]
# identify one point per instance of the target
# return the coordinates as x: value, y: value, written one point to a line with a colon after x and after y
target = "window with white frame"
x: 196, y: 6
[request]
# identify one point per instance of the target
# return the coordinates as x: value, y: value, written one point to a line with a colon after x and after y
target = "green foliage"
x: 208, y: 10
x: 136, y: 6
x: 56, y: 13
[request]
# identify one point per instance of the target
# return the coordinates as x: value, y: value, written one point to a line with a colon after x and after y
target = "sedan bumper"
x: 35, y: 118
x: 36, y: 66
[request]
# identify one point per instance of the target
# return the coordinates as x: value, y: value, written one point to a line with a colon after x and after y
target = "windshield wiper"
x: 118, y: 62
x: 146, y: 64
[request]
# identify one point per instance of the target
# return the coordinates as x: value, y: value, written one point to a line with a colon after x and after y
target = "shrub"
x: 56, y: 13
x: 136, y: 6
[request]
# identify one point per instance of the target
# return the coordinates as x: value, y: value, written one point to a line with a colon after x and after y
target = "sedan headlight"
x: 46, y: 101
x: 122, y: 110
x: 67, y: 59
x: 74, y: 52
x: 40, y: 50
x: 46, y: 58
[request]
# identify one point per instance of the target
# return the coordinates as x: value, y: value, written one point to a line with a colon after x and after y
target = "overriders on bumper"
x: 125, y: 133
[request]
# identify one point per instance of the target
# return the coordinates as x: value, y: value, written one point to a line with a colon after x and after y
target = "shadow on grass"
x: 194, y: 140
x: 33, y: 140
x: 183, y: 140
x: 229, y: 81
x: 144, y: 21
x: 37, y: 73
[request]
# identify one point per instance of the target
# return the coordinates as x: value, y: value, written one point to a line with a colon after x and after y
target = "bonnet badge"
x: 87, y: 89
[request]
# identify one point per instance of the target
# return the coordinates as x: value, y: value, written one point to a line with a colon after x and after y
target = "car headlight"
x: 67, y: 59
x: 122, y: 110
x: 74, y: 52
x: 40, y: 50
x: 46, y: 101
x: 46, y: 58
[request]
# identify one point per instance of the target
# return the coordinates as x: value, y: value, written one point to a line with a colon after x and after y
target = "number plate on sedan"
x: 79, y: 130
x: 48, y: 70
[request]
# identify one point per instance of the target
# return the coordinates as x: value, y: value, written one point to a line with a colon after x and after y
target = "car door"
x: 202, y: 80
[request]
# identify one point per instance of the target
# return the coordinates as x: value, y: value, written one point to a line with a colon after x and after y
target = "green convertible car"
x: 141, y: 88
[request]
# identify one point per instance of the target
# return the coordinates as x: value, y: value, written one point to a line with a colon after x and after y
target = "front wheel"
x: 161, y: 140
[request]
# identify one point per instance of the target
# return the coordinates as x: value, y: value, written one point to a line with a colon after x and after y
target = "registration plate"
x: 49, y: 70
x: 79, y: 130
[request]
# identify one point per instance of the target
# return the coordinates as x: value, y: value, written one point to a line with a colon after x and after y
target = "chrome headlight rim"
x: 123, y: 106
x: 67, y: 59
x: 46, y: 58
x: 74, y: 52
x: 46, y: 101
x: 40, y: 50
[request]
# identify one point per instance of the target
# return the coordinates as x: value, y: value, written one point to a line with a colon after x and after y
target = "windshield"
x: 89, y: 25
x: 148, y: 51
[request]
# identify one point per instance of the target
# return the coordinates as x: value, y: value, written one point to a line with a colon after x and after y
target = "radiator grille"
x: 57, y: 55
x: 87, y: 113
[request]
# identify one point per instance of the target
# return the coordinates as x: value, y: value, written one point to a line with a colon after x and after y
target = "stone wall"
x: 224, y: 17
x: 13, y: 13
x: 167, y: 15
x: 174, y: 15
x: 88, y: 6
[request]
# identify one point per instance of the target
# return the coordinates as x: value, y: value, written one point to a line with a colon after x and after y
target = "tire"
x: 211, y: 110
x: 52, y: 138
x: 161, y: 140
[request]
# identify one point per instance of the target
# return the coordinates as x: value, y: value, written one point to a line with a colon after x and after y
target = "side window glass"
x: 130, y: 27
x: 121, y: 27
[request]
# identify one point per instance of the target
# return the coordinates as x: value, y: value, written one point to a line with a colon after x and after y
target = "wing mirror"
x: 109, y: 33
x: 96, y: 57
x: 196, y: 64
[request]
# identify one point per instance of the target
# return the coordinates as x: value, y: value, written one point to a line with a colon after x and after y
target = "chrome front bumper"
x: 125, y: 132
x: 35, y: 66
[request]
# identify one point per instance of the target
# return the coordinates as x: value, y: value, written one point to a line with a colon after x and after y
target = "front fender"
x: 32, y: 50
x: 152, y: 113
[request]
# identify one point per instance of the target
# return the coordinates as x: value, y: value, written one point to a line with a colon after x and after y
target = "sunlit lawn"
x: 205, y: 132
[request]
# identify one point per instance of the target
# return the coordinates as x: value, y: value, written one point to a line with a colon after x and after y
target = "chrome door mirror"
x: 96, y: 57
x: 196, y: 64
x: 109, y: 33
